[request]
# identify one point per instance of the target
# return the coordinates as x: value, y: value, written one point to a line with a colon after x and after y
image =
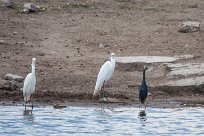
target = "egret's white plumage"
x: 29, y: 83
x: 105, y: 73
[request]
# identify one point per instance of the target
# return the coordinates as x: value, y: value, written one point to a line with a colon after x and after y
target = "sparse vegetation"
x: 123, y: 0
x: 76, y: 5
x: 42, y: 9
x: 124, y: 6
x: 20, y: 8
x: 150, y: 9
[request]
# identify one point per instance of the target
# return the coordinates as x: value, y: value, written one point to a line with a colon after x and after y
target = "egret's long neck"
x: 113, y: 61
x: 33, y: 69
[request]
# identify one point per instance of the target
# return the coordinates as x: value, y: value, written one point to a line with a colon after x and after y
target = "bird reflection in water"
x: 27, y: 112
x: 28, y: 115
x: 142, y: 117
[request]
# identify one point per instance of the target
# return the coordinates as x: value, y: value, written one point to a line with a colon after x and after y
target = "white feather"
x: 104, y: 74
x: 29, y: 83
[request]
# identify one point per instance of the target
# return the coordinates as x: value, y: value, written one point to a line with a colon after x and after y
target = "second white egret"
x: 29, y: 84
x: 104, y: 75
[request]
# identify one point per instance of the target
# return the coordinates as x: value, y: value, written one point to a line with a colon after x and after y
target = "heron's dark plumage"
x: 143, y: 88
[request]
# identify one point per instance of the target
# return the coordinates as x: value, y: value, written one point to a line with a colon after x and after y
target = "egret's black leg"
x: 25, y: 105
x: 103, y: 90
x: 32, y: 105
x: 31, y: 101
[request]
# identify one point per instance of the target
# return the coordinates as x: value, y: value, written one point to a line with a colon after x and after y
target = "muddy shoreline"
x: 57, y: 99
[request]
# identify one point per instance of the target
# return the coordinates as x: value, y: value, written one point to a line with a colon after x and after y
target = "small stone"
x: 15, y: 33
x: 103, y: 99
x: 41, y: 54
x: 7, y: 3
x: 132, y: 86
x: 108, y: 100
x: 14, y: 77
x: 101, y: 45
x: 26, y: 10
x: 189, y: 27
x: 2, y: 42
x: 30, y: 7
x: 32, y: 19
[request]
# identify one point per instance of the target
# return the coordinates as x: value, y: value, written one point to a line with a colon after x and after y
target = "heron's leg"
x: 145, y: 105
x: 139, y: 106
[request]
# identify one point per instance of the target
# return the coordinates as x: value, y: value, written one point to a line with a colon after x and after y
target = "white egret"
x: 104, y: 75
x: 29, y: 84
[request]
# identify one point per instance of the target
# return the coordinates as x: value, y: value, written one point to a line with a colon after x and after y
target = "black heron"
x: 143, y: 88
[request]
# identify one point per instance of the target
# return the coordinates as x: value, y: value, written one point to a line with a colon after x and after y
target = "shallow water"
x: 100, y: 121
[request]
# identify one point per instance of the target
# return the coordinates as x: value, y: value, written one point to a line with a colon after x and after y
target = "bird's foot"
x: 103, y: 99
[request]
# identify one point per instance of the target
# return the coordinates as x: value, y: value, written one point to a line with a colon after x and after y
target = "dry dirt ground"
x: 65, y: 39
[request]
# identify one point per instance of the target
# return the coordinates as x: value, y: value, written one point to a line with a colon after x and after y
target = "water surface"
x: 100, y: 121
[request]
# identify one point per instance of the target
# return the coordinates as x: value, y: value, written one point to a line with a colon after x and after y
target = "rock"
x: 191, y: 81
x: 132, y: 86
x: 30, y: 7
x: 188, y: 74
x: 14, y: 77
x: 41, y: 54
x: 189, y: 27
x: 15, y: 33
x: 109, y: 100
x: 152, y: 59
x: 188, y: 69
x: 2, y: 42
x: 26, y: 10
x: 8, y: 85
x: 102, y: 45
x: 7, y: 3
